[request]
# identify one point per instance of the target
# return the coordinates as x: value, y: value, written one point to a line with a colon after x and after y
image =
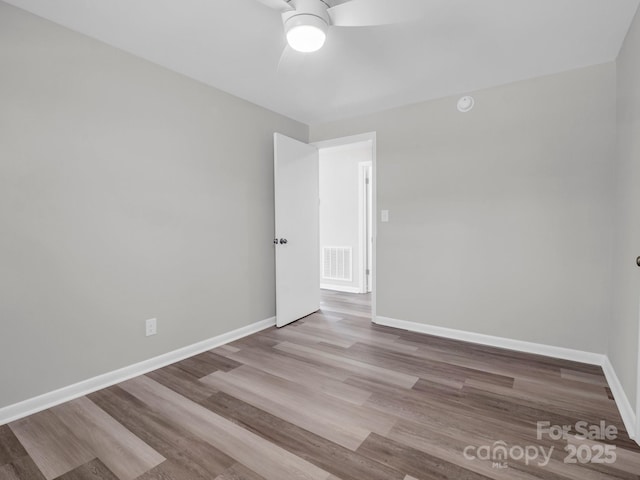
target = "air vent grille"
x: 337, y: 263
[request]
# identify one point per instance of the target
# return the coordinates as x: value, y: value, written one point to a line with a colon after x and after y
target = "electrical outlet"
x: 151, y: 328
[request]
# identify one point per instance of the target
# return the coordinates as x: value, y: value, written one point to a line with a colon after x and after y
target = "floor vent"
x: 336, y: 263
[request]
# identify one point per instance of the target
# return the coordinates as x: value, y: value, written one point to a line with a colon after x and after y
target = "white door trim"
x: 638, y: 383
x: 363, y: 137
x: 364, y: 172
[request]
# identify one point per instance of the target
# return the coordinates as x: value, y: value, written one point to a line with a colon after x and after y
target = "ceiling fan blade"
x: 280, y: 5
x: 366, y: 13
x: 286, y: 60
x: 297, y: 65
x: 291, y: 63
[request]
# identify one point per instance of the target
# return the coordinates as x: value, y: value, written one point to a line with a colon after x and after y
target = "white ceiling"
x: 458, y: 46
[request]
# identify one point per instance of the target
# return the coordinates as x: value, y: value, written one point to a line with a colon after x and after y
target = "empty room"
x: 319, y: 240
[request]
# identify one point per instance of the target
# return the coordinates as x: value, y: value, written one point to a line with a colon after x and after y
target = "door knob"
x: 638, y: 261
x: 283, y: 241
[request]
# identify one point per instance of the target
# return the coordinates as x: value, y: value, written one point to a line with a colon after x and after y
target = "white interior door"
x: 297, y: 229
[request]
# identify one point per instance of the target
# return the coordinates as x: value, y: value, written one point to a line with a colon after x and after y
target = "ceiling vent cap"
x: 466, y: 104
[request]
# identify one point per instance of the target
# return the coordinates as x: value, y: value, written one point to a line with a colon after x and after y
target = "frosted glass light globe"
x: 306, y: 33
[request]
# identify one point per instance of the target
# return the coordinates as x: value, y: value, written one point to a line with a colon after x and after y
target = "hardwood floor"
x: 331, y: 397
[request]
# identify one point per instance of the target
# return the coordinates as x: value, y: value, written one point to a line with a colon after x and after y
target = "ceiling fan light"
x: 306, y: 33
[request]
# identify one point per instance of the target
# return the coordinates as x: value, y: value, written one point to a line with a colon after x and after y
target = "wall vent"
x: 337, y: 263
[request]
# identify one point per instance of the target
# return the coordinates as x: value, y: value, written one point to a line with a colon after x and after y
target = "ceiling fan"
x: 306, y: 22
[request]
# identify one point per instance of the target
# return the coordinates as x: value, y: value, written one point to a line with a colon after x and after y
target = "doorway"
x: 347, y: 220
x: 299, y: 259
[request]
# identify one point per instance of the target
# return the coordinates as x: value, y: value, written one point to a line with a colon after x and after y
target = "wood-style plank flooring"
x: 331, y: 397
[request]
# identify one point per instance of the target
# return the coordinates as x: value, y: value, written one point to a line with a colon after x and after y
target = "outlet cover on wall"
x: 151, y: 328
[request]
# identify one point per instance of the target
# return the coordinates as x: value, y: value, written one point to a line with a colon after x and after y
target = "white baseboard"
x: 622, y: 401
x: 64, y: 394
x: 500, y: 342
x: 340, y: 288
x: 624, y: 405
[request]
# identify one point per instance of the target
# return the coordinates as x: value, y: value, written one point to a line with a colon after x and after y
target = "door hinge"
x: 368, y: 271
x: 366, y: 180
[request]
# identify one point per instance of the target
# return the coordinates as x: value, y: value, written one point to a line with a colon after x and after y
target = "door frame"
x: 637, y: 432
x: 365, y: 220
x: 363, y: 137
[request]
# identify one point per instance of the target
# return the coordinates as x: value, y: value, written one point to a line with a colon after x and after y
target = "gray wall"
x: 623, y: 339
x: 500, y: 219
x: 126, y: 192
